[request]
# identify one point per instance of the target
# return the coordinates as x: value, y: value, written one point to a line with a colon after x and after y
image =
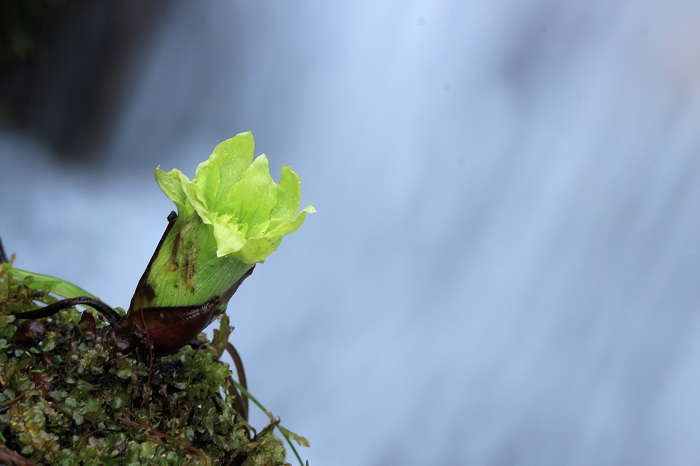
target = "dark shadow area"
x: 63, y: 64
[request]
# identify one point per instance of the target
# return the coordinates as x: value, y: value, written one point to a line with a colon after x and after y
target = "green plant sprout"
x: 37, y: 281
x: 146, y: 385
x: 231, y: 216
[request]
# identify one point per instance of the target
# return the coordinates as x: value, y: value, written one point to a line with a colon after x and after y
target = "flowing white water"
x: 504, y: 267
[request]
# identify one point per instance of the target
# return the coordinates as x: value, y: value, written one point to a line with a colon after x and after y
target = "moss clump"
x: 67, y: 398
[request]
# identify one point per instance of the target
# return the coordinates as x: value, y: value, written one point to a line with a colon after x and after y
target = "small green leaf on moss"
x: 302, y: 441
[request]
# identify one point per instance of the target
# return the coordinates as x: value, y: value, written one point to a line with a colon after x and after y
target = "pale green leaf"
x: 55, y: 285
x: 224, y: 167
x: 257, y: 249
x: 171, y: 184
x: 253, y: 197
x: 236, y: 196
x: 302, y: 441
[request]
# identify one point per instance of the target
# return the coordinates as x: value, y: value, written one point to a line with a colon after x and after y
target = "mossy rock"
x: 67, y: 398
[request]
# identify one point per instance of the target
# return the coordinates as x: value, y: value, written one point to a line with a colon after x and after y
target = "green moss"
x: 66, y: 398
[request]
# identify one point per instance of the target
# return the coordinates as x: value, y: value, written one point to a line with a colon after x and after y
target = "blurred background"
x: 504, y: 265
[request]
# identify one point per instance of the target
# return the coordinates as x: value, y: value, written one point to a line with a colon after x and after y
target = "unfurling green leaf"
x: 248, y: 213
x: 231, y: 216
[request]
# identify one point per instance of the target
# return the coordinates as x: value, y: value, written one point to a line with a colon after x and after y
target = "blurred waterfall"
x: 504, y: 266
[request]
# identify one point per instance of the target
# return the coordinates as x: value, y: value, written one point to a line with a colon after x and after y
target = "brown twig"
x: 11, y: 457
x: 238, y: 362
x: 150, y: 358
x: 47, y: 311
x: 14, y: 400
x: 3, y: 256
